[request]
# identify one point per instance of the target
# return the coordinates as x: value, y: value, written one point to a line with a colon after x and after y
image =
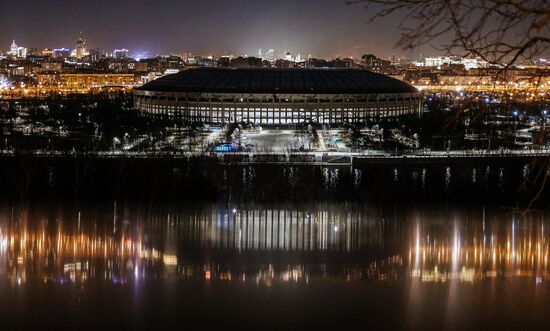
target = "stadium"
x: 277, y: 96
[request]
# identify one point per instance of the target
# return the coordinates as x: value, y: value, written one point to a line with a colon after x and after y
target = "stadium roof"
x: 289, y: 81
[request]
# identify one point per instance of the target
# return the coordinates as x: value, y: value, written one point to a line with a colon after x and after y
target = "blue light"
x: 225, y: 148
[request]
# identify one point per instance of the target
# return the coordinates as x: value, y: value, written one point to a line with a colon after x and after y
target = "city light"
x: 314, y: 164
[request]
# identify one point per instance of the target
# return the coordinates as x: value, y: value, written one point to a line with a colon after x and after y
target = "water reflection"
x: 268, y: 245
x: 477, y: 251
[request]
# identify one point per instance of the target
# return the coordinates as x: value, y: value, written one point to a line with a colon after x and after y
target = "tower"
x: 13, y: 49
x: 270, y: 55
x: 80, y: 48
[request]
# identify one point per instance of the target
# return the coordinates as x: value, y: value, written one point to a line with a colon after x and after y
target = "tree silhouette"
x: 498, y: 31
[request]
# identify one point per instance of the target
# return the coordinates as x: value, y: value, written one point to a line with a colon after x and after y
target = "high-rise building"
x: 270, y: 55
x: 13, y: 49
x: 21, y: 52
x: 374, y: 63
x: 186, y: 57
x: 80, y: 49
x: 95, y: 54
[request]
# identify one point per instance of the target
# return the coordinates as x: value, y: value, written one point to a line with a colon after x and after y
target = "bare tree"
x: 498, y: 31
x: 502, y: 32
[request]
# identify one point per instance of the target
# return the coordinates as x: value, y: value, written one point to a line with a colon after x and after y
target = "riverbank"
x: 79, y: 177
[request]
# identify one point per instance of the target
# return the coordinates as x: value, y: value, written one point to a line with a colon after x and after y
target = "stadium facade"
x: 277, y: 96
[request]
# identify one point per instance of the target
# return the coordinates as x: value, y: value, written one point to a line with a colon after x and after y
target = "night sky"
x: 323, y: 28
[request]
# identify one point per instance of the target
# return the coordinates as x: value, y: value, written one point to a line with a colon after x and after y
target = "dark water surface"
x: 303, y: 266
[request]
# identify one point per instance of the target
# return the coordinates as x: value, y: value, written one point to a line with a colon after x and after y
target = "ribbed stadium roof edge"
x: 287, y: 81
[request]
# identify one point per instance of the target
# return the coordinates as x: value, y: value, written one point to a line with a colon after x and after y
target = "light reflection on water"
x: 263, y: 246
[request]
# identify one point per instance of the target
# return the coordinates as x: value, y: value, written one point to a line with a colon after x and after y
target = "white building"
x: 16, y: 51
x: 473, y: 63
x: 436, y: 61
x: 270, y: 55
x: 468, y: 63
x: 13, y: 49
x: 288, y: 57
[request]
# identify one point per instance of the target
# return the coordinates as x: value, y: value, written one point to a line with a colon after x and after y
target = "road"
x: 373, y: 157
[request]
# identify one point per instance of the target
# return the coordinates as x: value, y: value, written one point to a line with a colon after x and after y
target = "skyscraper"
x: 95, y: 54
x: 270, y: 55
x: 80, y: 48
x: 13, y: 49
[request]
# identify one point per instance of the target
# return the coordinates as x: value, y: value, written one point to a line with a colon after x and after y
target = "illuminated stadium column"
x: 275, y: 109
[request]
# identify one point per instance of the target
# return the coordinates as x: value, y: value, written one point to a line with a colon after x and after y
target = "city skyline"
x: 325, y: 28
x: 275, y: 164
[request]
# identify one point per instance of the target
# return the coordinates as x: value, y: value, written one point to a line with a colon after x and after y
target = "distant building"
x: 21, y: 52
x: 141, y: 66
x: 48, y: 52
x: 342, y: 63
x: 473, y: 63
x: 80, y: 49
x: 117, y: 65
x: 246, y: 62
x: 33, y: 52
x: 436, y: 61
x: 120, y: 53
x: 317, y: 63
x: 288, y: 57
x: 186, y: 57
x: 374, y: 63
x: 282, y: 63
x: 13, y: 49
x: 468, y: 63
x: 52, y: 66
x: 3, y: 80
x: 61, y: 53
x: 336, y: 63
x: 95, y: 54
x: 224, y: 61
x: 270, y: 55
x: 85, y: 81
x: 17, y: 51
